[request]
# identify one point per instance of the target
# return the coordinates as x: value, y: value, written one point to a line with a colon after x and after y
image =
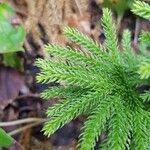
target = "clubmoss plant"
x: 143, y: 10
x: 102, y: 82
x: 120, y: 6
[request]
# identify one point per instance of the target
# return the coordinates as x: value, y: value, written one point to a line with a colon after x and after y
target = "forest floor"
x: 44, y: 21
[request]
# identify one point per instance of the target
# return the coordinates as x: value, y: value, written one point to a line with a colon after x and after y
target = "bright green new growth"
x: 102, y: 83
x: 142, y: 9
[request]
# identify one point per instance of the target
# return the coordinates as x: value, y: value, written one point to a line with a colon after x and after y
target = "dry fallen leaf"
x: 11, y: 84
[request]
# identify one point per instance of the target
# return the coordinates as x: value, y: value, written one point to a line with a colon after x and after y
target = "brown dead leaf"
x: 11, y: 83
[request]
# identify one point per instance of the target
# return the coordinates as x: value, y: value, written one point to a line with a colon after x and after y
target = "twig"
x: 29, y: 95
x: 137, y: 31
x: 79, y: 8
x: 21, y: 121
x: 26, y: 127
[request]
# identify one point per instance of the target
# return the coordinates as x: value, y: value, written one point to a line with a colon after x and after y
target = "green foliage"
x: 12, y: 60
x: 145, y: 37
x: 142, y: 9
x: 120, y: 6
x: 146, y: 96
x: 101, y: 82
x: 5, y: 140
x: 11, y: 37
x: 144, y: 70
